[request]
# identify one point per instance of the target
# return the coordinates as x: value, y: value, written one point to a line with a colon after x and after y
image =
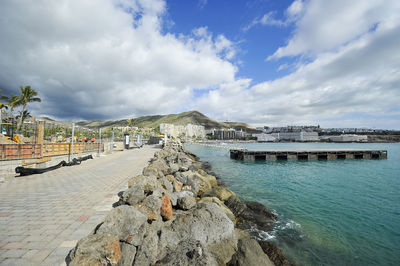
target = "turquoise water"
x: 340, y: 212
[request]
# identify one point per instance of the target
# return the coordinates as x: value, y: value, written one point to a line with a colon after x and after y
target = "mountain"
x: 193, y: 117
x: 154, y: 121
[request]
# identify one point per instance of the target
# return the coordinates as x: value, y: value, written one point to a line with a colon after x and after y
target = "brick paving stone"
x: 68, y: 244
x: 17, y: 261
x: 14, y: 253
x: 36, y: 245
x: 39, y: 213
x: 83, y: 218
x: 15, y: 245
x: 30, y: 253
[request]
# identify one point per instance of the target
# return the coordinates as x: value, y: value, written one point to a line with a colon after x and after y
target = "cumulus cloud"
x: 106, y: 58
x: 356, y: 75
x: 322, y: 26
x: 113, y: 59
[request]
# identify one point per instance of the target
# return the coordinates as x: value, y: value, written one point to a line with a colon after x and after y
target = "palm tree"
x: 131, y: 122
x: 13, y: 101
x: 25, y: 115
x: 2, y: 105
x: 27, y: 95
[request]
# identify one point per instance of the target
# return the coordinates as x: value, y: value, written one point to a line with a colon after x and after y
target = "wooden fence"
x: 36, y: 151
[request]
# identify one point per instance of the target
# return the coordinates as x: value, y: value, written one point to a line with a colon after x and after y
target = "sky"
x: 264, y: 62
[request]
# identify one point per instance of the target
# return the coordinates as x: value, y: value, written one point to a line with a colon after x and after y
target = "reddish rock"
x: 166, y: 207
x: 103, y: 249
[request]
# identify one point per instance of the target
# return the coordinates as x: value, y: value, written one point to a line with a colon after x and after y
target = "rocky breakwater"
x: 176, y: 213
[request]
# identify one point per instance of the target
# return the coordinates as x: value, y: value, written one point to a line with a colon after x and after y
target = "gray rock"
x: 177, y: 195
x: 128, y: 253
x: 275, y: 254
x: 100, y: 249
x: 195, y: 166
x: 256, y: 216
x: 125, y: 222
x: 164, y: 183
x: 189, y: 252
x: 148, y: 183
x: 173, y: 168
x: 156, y: 168
x: 181, y: 177
x: 209, y: 193
x: 150, y: 171
x: 148, y: 250
x: 191, y: 181
x: 235, y: 205
x: 186, y: 203
x: 151, y: 207
x: 206, y: 223
x: 250, y: 254
x: 133, y: 195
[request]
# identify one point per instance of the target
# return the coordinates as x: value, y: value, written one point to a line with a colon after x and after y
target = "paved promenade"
x: 43, y: 216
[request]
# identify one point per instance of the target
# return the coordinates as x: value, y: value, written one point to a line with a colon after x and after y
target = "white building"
x: 349, y: 138
x: 189, y: 130
x: 297, y: 136
x: 265, y: 137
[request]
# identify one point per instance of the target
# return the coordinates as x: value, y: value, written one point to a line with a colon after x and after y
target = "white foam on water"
x: 279, y: 226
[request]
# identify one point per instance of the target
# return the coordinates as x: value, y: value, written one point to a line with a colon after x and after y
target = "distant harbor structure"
x: 328, y: 154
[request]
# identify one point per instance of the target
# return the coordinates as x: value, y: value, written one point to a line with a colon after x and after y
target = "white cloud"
x: 326, y: 25
x: 357, y: 76
x: 106, y: 58
x: 267, y: 19
x: 292, y: 13
x: 111, y: 59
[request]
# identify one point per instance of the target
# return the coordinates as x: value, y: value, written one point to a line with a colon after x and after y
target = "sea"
x: 337, y: 212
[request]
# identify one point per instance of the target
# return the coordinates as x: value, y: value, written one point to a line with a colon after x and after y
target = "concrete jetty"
x: 317, y: 154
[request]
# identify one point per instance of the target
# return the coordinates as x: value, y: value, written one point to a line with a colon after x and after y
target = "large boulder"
x: 220, y: 204
x: 181, y: 194
x: 150, y: 207
x: 209, y: 225
x: 223, y: 193
x: 157, y: 168
x: 275, y: 254
x: 133, y: 195
x: 128, y: 253
x: 189, y: 252
x: 183, y: 177
x: 126, y: 223
x: 256, y: 216
x: 235, y: 205
x: 147, y: 252
x: 186, y: 203
x: 165, y: 184
x: 210, y: 178
x: 202, y: 182
x: 249, y: 253
x: 98, y: 249
x: 148, y: 183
